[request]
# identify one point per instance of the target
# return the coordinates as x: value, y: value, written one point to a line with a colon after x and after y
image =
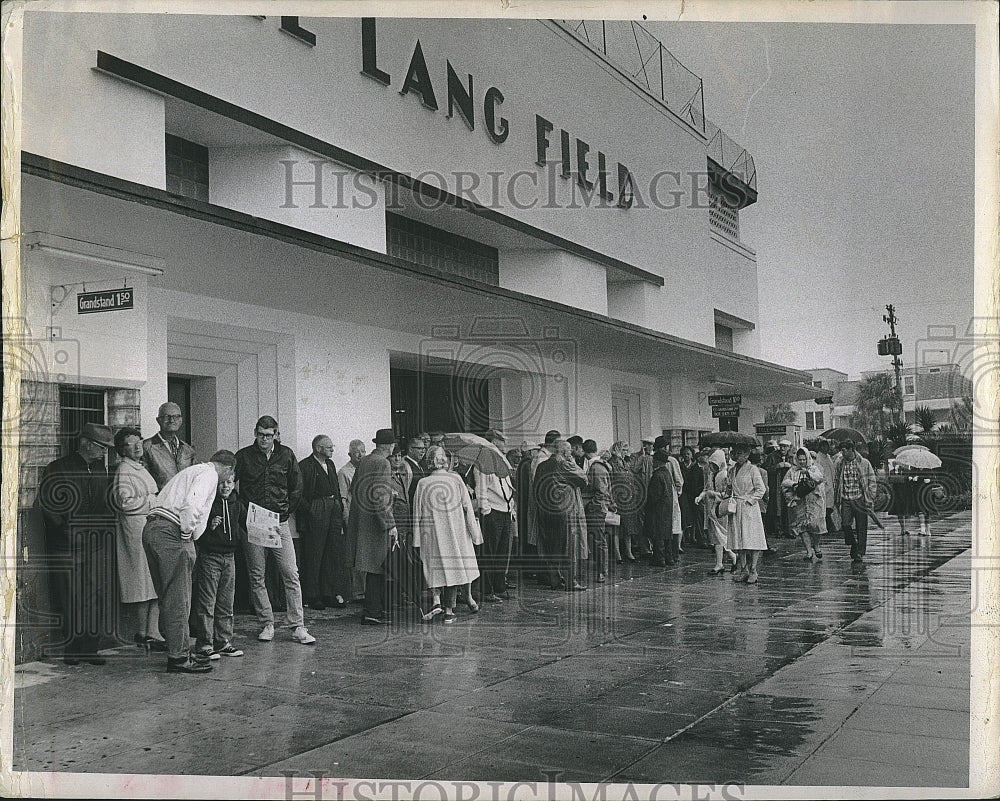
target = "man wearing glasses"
x: 164, y: 454
x: 269, y: 476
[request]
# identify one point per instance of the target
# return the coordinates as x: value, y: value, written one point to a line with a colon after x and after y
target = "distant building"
x: 938, y: 387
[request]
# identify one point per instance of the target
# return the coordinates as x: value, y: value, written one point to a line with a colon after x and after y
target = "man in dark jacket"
x: 659, y: 508
x: 269, y: 476
x: 326, y: 577
x: 73, y: 500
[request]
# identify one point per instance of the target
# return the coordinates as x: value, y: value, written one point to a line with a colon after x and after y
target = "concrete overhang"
x: 246, y: 259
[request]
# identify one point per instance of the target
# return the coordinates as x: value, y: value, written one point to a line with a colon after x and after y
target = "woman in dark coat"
x: 659, y: 513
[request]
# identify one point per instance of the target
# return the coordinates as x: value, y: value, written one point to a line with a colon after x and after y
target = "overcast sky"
x: 863, y: 140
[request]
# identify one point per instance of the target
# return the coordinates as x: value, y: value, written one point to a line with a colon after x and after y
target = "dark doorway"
x: 423, y: 401
x: 179, y: 392
x: 729, y: 424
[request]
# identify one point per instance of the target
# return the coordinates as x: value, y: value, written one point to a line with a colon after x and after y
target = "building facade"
x: 942, y: 388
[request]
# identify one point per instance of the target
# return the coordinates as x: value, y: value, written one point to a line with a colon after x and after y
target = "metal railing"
x: 641, y: 56
x: 729, y: 155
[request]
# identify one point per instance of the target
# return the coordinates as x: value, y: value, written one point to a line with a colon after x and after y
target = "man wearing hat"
x: 371, y: 527
x: 73, y: 500
x: 777, y: 463
x: 495, y: 504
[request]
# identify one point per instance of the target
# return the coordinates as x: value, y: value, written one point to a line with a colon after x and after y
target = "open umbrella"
x: 913, y: 447
x: 474, y: 451
x: 919, y: 459
x: 726, y: 439
x: 841, y: 434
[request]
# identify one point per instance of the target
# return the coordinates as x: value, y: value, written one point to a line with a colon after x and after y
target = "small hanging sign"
x: 104, y: 300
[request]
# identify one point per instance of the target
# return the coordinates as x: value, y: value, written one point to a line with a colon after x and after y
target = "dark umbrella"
x: 841, y: 434
x: 726, y: 439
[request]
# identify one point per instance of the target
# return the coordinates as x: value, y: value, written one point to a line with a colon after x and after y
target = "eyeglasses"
x: 262, y: 435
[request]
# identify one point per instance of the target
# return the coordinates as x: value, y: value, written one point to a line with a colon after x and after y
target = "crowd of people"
x: 412, y: 524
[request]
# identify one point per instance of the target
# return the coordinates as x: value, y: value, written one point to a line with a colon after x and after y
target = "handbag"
x: 804, y: 486
x: 726, y: 507
x: 612, y: 519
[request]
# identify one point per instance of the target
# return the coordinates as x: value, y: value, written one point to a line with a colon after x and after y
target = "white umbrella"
x: 912, y: 447
x: 920, y: 459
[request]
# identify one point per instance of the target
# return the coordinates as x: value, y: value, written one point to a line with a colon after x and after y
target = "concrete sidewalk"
x: 820, y: 674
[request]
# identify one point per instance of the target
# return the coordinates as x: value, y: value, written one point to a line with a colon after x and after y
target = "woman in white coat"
x: 133, y: 489
x: 746, y: 527
x: 445, y: 530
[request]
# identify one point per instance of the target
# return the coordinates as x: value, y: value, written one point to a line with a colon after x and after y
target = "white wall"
x: 73, y: 113
x: 557, y: 275
x: 98, y: 348
x: 298, y: 188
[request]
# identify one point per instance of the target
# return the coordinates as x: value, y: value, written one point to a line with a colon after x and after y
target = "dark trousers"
x: 374, y: 595
x: 324, y: 552
x: 664, y: 547
x: 830, y: 527
x: 496, y: 544
x: 598, y: 541
x: 80, y: 585
x: 555, y: 535
x: 854, y: 521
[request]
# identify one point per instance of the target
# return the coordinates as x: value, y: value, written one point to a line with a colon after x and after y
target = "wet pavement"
x: 826, y: 674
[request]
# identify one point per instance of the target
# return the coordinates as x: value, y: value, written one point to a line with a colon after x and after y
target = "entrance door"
x: 425, y: 401
x: 179, y: 392
x: 625, y: 418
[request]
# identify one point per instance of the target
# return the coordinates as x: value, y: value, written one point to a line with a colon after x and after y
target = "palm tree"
x: 924, y: 417
x: 876, y: 394
x: 897, y: 433
x: 962, y: 413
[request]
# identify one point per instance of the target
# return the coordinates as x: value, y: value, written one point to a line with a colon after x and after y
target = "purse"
x: 612, y: 519
x: 804, y: 486
x: 726, y: 507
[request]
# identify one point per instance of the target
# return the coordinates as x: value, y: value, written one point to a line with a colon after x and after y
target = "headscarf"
x: 718, y: 458
x: 808, y: 453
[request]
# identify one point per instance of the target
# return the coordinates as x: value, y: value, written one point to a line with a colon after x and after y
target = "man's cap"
x: 551, y: 436
x: 493, y: 435
x: 785, y: 442
x: 661, y: 442
x: 98, y: 433
x: 576, y: 439
x: 384, y: 436
x: 650, y: 439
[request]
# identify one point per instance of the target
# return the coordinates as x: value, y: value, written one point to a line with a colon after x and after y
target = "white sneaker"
x: 302, y: 635
x: 267, y: 633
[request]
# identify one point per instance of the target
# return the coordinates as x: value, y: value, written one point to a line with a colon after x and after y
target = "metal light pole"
x: 891, y: 346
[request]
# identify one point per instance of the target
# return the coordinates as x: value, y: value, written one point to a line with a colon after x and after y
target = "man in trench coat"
x: 371, y: 528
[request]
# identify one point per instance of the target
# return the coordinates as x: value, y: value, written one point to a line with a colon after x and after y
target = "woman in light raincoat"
x: 746, y: 527
x: 716, y: 487
x: 804, y: 488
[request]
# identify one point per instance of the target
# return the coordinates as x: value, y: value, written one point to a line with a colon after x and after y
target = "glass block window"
x: 429, y: 246
x: 723, y: 217
x: 77, y: 405
x: 187, y: 168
